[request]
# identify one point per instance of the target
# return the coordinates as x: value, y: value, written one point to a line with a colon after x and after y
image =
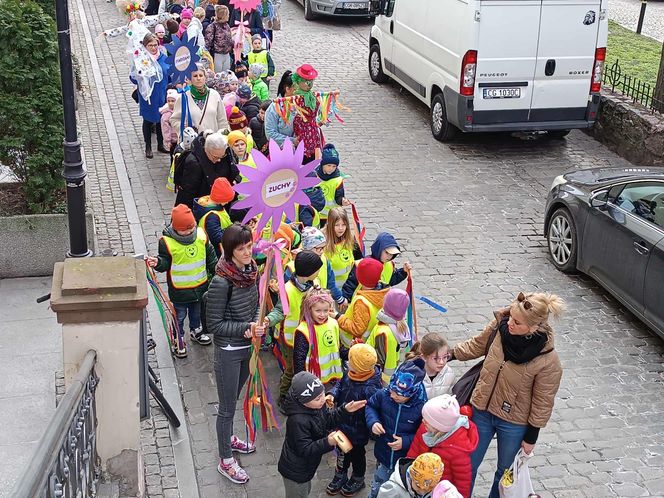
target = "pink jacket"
x: 170, y: 135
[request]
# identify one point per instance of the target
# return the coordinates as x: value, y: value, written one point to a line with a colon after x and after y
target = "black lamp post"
x: 73, y: 168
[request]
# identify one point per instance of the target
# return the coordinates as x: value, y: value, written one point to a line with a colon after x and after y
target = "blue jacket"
x: 347, y: 390
x: 383, y: 241
x: 212, y: 226
x: 397, y: 419
x: 150, y: 112
x: 276, y: 128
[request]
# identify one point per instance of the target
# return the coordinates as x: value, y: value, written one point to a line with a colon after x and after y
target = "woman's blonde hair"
x: 538, y: 306
x: 199, y: 13
x: 347, y: 240
x: 428, y: 345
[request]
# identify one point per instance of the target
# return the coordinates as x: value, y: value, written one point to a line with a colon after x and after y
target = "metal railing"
x: 65, y: 463
x: 632, y: 87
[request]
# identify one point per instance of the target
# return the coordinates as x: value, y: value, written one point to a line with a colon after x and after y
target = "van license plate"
x: 355, y: 5
x: 501, y: 93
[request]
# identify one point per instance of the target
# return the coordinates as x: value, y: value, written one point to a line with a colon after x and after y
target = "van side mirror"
x: 599, y: 199
x: 382, y: 6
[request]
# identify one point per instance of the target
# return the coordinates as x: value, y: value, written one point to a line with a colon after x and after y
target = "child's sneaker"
x: 180, y: 352
x: 198, y: 336
x: 232, y: 471
x: 241, y: 446
x: 337, y: 483
x: 353, y: 486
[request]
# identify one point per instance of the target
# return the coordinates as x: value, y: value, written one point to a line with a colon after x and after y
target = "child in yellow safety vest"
x: 307, y: 266
x: 316, y: 342
x: 212, y: 214
x: 384, y: 249
x: 391, y: 334
x: 260, y: 55
x: 340, y: 248
x: 362, y: 313
x: 331, y: 181
x: 189, y: 260
x: 314, y: 240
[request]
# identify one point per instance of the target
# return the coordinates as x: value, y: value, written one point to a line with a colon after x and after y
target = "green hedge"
x: 31, y: 119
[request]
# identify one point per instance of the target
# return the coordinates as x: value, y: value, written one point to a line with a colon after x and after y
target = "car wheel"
x: 375, y: 65
x: 558, y: 134
x: 308, y: 11
x: 441, y: 128
x: 562, y: 241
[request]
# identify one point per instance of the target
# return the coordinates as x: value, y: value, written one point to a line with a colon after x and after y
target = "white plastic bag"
x: 515, y: 482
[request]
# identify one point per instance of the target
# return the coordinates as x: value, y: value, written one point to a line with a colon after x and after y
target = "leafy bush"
x: 31, y: 120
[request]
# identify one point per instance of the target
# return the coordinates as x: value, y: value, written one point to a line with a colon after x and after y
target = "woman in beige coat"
x: 514, y: 396
x: 203, y: 104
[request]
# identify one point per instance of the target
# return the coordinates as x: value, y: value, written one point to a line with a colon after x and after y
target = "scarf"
x: 520, y: 348
x: 199, y: 95
x: 308, y: 96
x: 402, y: 338
x: 360, y: 377
x: 432, y: 439
x: 182, y: 239
x: 238, y: 278
x: 302, y: 287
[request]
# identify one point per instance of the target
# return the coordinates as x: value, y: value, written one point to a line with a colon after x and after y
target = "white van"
x: 495, y: 65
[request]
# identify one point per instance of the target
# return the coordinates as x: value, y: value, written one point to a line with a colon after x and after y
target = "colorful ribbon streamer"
x: 167, y: 312
x: 358, y: 228
x: 266, y: 247
x: 185, y: 109
x: 258, y: 405
x: 329, y: 107
x: 411, y: 317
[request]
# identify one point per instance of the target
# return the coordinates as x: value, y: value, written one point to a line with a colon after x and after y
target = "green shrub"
x: 31, y: 122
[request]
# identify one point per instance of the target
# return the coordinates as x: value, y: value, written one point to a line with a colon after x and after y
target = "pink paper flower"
x: 245, y: 5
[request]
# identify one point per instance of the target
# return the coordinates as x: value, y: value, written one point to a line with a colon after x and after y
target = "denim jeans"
x: 191, y: 309
x: 382, y: 475
x: 509, y: 438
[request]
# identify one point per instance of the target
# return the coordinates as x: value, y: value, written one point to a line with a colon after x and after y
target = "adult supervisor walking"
x: 517, y: 386
x: 232, y: 312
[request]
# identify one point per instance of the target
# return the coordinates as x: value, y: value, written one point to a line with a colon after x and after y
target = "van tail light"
x: 468, y: 68
x: 598, y: 69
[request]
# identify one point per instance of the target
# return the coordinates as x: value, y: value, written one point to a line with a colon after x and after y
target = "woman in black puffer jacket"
x: 231, y: 315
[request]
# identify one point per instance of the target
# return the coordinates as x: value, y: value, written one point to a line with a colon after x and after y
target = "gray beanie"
x: 306, y: 387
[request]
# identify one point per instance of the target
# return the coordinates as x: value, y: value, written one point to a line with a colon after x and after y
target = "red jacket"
x: 454, y: 452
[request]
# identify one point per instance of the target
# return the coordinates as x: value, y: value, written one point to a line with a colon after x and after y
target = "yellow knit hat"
x: 426, y: 472
x: 236, y: 135
x: 362, y: 359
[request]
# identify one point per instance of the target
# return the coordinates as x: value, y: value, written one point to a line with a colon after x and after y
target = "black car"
x: 609, y: 224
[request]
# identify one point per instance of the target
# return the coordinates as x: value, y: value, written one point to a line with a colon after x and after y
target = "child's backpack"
x: 174, y: 180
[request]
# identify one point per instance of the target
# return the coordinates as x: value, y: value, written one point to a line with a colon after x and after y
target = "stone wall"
x: 630, y: 130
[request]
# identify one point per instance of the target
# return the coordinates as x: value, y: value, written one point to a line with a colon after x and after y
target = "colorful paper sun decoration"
x: 246, y: 5
x: 276, y: 184
x: 182, y: 57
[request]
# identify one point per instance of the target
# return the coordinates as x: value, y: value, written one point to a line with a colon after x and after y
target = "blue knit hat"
x: 408, y: 377
x: 329, y: 155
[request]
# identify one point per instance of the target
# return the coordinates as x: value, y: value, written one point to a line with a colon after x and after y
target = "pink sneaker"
x: 241, y: 446
x: 233, y: 471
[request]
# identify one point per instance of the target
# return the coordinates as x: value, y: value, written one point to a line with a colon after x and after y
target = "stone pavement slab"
x: 468, y: 215
x: 31, y: 350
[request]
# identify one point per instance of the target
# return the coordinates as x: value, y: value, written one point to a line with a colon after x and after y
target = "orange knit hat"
x: 222, y: 192
x: 182, y: 218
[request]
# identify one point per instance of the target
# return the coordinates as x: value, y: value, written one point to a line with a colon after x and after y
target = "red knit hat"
x: 368, y: 272
x: 307, y: 72
x: 182, y: 218
x: 237, y: 120
x: 222, y: 192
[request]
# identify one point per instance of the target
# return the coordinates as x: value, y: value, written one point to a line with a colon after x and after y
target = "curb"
x: 181, y: 444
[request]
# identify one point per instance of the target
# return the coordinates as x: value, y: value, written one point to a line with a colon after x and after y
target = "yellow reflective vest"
x: 382, y: 332
x: 292, y: 320
x: 224, y: 221
x: 322, y: 273
x: 329, y: 188
x: 342, y: 263
x: 327, y: 341
x: 347, y: 338
x: 188, y: 269
x: 316, y: 220
x: 385, y: 276
x: 258, y: 58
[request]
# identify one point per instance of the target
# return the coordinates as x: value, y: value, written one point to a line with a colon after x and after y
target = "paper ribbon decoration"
x: 329, y: 107
x: 240, y: 36
x: 185, y: 114
x: 274, y: 249
x: 358, y: 228
x: 167, y: 313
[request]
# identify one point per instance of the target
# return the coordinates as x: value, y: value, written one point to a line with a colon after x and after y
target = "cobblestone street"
x: 468, y: 216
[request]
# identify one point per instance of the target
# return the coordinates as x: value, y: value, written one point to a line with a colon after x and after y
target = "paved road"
x: 626, y: 13
x: 468, y: 216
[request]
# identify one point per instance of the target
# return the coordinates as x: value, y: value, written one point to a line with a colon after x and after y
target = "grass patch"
x: 638, y: 55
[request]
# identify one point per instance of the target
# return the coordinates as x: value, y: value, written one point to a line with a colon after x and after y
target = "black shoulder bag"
x: 464, y: 387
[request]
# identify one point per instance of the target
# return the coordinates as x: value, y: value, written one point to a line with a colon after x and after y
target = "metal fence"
x: 65, y: 463
x: 629, y: 86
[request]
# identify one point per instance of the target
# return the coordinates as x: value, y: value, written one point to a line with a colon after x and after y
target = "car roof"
x: 598, y: 177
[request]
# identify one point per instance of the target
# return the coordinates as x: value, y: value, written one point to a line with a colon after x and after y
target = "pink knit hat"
x: 187, y: 14
x: 441, y: 412
x: 395, y: 304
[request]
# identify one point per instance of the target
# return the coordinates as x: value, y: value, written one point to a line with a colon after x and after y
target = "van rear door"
x: 568, y: 36
x: 506, y: 60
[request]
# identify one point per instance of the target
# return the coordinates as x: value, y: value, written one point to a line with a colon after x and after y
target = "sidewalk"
x: 31, y: 351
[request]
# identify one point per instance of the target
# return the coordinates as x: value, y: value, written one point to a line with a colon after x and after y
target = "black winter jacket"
x: 251, y: 107
x: 306, y: 438
x: 199, y: 173
x: 229, y: 320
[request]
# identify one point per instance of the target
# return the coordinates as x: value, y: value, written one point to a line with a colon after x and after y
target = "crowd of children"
x: 351, y: 369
